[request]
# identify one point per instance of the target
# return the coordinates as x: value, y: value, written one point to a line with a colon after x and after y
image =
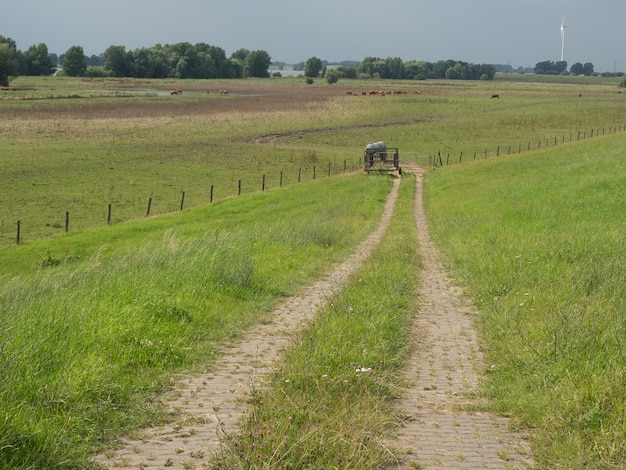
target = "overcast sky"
x: 515, y: 32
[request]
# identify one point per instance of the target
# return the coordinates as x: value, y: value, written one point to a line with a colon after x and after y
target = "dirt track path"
x: 435, y: 434
x: 441, y: 375
x: 211, y: 404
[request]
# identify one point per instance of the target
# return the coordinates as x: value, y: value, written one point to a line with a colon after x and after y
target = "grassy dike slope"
x: 95, y: 324
x: 540, y: 242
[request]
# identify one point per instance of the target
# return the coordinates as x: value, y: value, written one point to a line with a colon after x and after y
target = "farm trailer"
x: 379, y: 157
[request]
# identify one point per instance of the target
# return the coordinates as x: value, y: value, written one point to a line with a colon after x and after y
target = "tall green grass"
x: 94, y: 328
x: 540, y: 242
x: 329, y: 404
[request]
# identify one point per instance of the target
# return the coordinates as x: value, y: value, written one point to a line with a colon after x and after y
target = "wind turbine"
x: 562, y: 37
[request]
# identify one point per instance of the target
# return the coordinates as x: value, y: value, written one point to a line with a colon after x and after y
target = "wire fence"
x: 441, y: 159
x: 159, y: 206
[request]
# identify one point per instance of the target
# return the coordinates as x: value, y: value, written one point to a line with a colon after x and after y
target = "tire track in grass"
x: 210, y: 405
x: 438, y: 433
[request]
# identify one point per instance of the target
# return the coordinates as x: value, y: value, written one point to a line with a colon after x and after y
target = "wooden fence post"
x: 239, y: 188
x: 299, y: 174
x: 149, y: 206
x: 17, y: 238
x: 182, y: 201
x: 109, y: 216
x: 67, y: 222
x: 211, y: 195
x: 263, y: 184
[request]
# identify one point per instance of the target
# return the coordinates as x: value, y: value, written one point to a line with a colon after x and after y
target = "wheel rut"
x: 211, y: 405
x: 439, y: 432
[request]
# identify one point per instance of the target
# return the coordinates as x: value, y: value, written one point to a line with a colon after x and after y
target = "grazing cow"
x: 177, y: 91
x: 224, y: 92
x: 495, y: 96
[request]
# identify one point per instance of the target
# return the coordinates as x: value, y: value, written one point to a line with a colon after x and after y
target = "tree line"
x: 203, y: 61
x: 549, y: 67
x: 181, y: 60
x: 397, y: 69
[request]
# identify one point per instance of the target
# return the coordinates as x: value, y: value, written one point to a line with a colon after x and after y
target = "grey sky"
x: 517, y: 32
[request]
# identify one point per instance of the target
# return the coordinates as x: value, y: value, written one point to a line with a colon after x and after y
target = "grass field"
x: 78, y: 146
x: 536, y: 238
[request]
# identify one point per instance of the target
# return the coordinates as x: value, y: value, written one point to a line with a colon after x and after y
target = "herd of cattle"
x: 179, y: 91
x: 383, y: 92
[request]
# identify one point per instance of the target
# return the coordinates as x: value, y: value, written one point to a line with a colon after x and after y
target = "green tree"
x: 223, y: 67
x: 551, y: 68
x: 414, y: 70
x: 240, y: 54
x: 456, y: 72
x: 486, y: 70
x: 116, y: 60
x: 348, y: 71
x: 441, y: 67
x: 258, y: 63
x: 74, y: 62
x: 8, y: 63
x: 588, y: 69
x: 561, y: 66
x: 375, y: 67
x: 37, y: 61
x: 313, y: 67
x: 395, y: 68
x: 622, y: 83
x: 577, y: 69
x: 332, y: 75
